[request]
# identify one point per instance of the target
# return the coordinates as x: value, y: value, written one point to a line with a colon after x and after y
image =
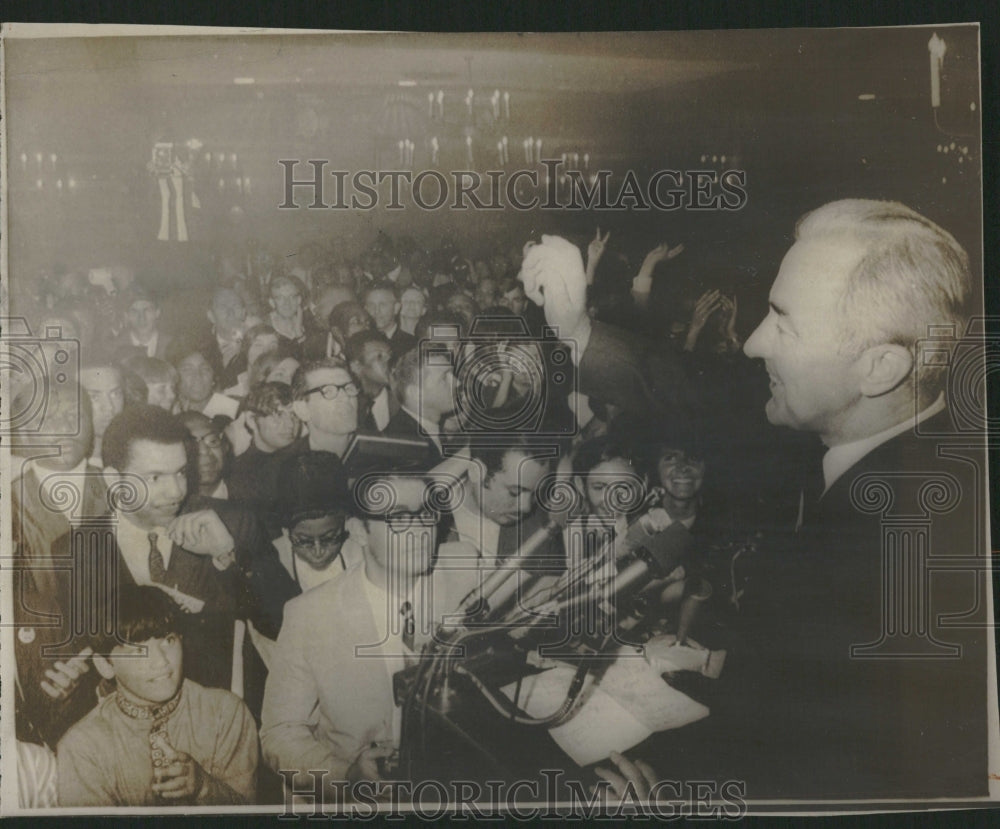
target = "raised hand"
x: 708, y: 303
x: 595, y: 250
x: 553, y: 276
x: 62, y: 677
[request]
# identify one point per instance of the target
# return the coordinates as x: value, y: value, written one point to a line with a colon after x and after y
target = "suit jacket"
x: 851, y: 682
x: 41, y: 594
x: 641, y: 377
x: 400, y: 342
x: 366, y: 419
x: 403, y: 425
x: 328, y: 696
x: 123, y: 346
x: 226, y: 374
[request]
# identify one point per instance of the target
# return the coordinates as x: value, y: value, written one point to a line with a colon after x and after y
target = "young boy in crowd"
x: 158, y: 739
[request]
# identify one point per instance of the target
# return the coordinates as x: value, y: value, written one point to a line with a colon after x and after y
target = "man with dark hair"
x: 346, y: 319
x: 496, y: 513
x: 147, y: 539
x: 381, y: 300
x: 213, y: 454
x: 223, y: 348
x: 273, y: 426
x: 423, y: 381
x: 325, y: 397
x: 313, y: 506
x: 329, y: 702
x: 196, y: 386
x: 368, y: 355
x: 142, y: 333
x: 160, y: 738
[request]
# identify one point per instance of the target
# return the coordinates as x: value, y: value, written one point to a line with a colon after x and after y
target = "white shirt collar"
x: 380, y: 409
x: 149, y: 346
x: 840, y: 458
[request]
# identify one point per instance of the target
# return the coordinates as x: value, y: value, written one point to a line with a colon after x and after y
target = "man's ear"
x: 301, y: 410
x: 396, y: 306
x: 883, y: 368
x: 211, y: 316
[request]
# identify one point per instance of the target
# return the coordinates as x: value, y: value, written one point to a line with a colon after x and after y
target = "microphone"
x: 499, y: 585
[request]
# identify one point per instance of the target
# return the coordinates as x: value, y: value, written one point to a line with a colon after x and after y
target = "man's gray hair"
x: 912, y: 275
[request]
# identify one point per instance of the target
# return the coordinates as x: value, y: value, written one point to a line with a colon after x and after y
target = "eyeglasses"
x: 212, y: 440
x: 402, y: 521
x: 334, y: 538
x: 331, y: 391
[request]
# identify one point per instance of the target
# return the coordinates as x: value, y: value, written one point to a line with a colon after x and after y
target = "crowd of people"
x: 203, y: 551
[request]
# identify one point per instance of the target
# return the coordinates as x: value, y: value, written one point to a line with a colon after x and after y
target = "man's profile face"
x: 813, y: 386
x: 150, y: 671
x: 374, y: 363
x: 508, y: 494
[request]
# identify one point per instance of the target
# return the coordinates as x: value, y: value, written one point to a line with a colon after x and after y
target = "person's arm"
x: 708, y: 303
x: 232, y: 774
x: 595, y: 250
x: 642, y: 284
x: 83, y: 773
x: 290, y: 709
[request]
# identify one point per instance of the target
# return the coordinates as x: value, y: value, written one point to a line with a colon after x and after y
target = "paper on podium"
x: 621, y: 709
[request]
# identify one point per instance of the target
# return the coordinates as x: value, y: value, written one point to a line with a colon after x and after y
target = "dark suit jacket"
x: 123, y: 347
x: 824, y: 701
x: 39, y: 595
x: 400, y: 342
x: 618, y: 367
x: 403, y: 425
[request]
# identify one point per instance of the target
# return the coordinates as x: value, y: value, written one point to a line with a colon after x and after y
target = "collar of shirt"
x: 391, y: 330
x: 840, y: 458
x: 221, y: 491
x: 133, y: 542
x: 150, y: 346
x: 481, y: 532
x: 380, y: 409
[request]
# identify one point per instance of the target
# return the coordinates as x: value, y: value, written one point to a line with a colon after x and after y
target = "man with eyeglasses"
x: 325, y: 398
x: 329, y: 701
x: 213, y: 453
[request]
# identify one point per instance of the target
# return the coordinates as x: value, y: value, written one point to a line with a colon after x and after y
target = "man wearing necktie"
x: 864, y: 688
